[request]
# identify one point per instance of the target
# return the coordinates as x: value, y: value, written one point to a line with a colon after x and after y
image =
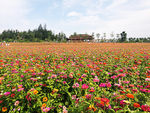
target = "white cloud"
x: 70, y: 3
x: 73, y: 13
x: 131, y: 16
x: 116, y: 3
x: 13, y: 13
x: 80, y: 16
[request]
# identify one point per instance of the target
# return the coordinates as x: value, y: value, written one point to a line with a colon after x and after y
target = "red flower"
x: 130, y: 95
x: 105, y: 101
x: 1, y: 101
x: 88, y: 96
x: 12, y: 95
x: 122, y: 92
x: 145, y: 108
x: 136, y: 105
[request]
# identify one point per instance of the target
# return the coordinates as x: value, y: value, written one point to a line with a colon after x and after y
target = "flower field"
x: 75, y: 78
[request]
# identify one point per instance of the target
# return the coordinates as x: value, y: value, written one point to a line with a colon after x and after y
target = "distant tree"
x: 98, y: 36
x: 93, y: 34
x: 74, y: 33
x: 112, y: 34
x: 123, y: 36
x: 117, y: 35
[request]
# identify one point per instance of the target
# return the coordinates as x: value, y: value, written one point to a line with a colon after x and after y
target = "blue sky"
x: 81, y: 16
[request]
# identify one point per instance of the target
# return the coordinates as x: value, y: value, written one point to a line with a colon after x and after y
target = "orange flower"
x: 136, y: 105
x: 4, y: 109
x: 43, y: 105
x: 120, y: 97
x: 36, y: 85
x: 45, y: 99
x: 86, y: 71
x: 127, y: 90
x: 78, y: 74
x: 97, y: 98
x: 130, y: 95
x: 35, y: 92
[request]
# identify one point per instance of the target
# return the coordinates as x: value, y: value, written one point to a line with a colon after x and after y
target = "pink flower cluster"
x: 105, y: 84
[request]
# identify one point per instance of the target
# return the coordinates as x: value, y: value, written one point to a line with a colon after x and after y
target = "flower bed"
x: 75, y: 78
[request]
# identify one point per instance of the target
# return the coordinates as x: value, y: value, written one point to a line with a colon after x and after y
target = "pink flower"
x: 121, y: 75
x: 13, y: 90
x: 71, y: 75
x: 121, y: 70
x: 108, y: 84
x: 6, y: 93
x: 88, y: 96
x: 20, y: 89
x: 122, y: 103
x: 33, y: 73
x: 117, y: 85
x: 92, y: 73
x: 147, y: 79
x: 32, y: 89
x: 102, y: 85
x: 84, y: 86
x: 16, y: 103
x: 53, y: 76
x: 64, y: 82
x: 134, y: 90
x: 22, y: 76
x: 96, y: 79
x: 64, y: 110
x: 48, y: 71
x: 76, y: 85
x: 73, y: 97
x: 126, y: 82
x: 113, y: 77
x: 84, y: 75
x: 80, y: 79
x: 46, y: 109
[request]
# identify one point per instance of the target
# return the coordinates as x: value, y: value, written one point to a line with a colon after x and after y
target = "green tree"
x: 123, y: 36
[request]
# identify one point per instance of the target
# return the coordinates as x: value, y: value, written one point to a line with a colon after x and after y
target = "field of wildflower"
x: 75, y: 78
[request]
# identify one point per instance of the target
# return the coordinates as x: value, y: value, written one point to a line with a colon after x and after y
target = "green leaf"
x: 111, y: 111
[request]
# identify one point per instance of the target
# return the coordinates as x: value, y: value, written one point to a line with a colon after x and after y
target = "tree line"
x: 37, y: 35
x: 42, y: 34
x: 122, y: 37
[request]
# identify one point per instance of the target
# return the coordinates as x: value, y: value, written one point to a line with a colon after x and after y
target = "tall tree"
x: 98, y: 36
x: 123, y: 36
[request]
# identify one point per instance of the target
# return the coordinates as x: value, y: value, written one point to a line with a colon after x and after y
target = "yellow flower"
x: 35, y: 92
x: 54, y: 91
x: 91, y: 106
